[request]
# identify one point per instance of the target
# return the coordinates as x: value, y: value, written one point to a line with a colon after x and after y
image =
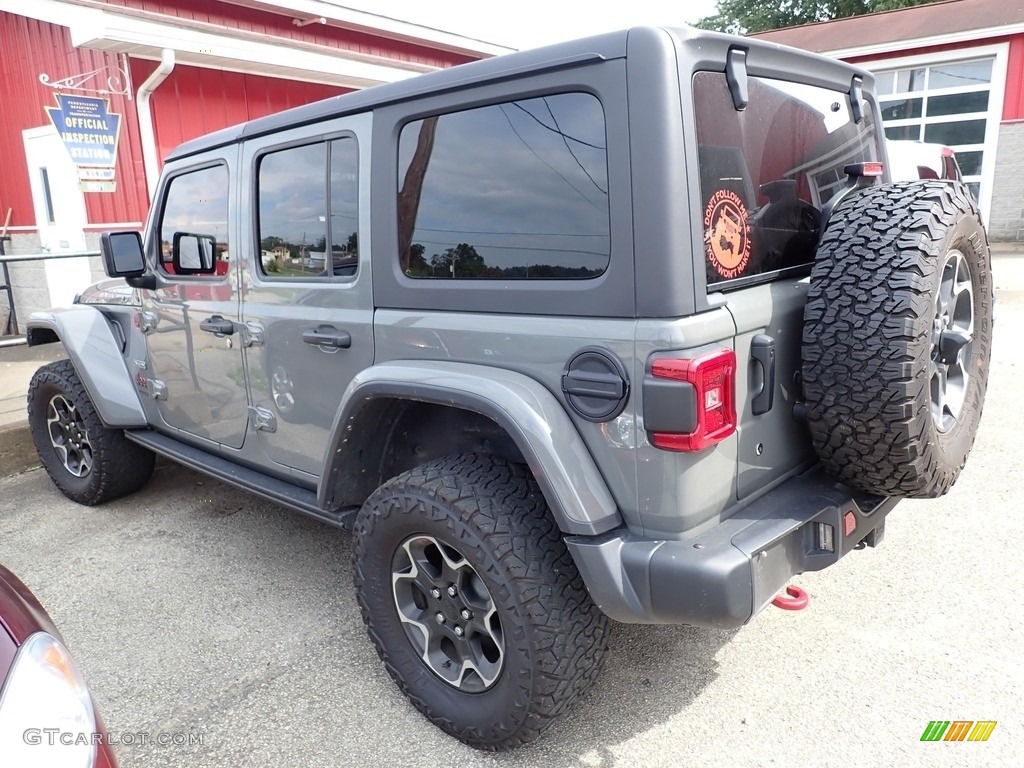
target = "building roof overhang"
x: 146, y: 34
x: 953, y: 22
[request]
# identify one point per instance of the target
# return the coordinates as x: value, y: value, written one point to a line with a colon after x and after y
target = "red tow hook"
x: 796, y: 601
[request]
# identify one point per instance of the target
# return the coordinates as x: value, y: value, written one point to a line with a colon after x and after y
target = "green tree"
x: 468, y: 263
x: 417, y: 263
x: 748, y: 16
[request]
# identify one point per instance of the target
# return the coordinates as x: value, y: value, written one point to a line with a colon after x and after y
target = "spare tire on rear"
x: 897, y: 337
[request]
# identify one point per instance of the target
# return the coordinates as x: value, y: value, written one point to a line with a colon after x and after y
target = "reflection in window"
x: 901, y: 110
x: 510, y: 191
x: 903, y: 132
x: 964, y: 132
x: 909, y: 80
x: 197, y: 203
x: 957, y: 104
x: 884, y: 82
x: 344, y: 208
x: 766, y: 172
x: 970, y: 163
x: 960, y: 75
x: 293, y: 212
x: 293, y: 200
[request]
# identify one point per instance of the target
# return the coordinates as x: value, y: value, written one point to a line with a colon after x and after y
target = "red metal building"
x: 950, y: 73
x: 95, y: 92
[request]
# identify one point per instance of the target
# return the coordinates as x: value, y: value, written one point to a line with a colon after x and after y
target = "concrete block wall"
x: 1006, y: 217
x: 28, y: 278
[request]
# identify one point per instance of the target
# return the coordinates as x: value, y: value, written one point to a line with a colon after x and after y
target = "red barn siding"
x: 193, y: 101
x: 279, y: 25
x: 30, y: 48
x: 1013, y: 106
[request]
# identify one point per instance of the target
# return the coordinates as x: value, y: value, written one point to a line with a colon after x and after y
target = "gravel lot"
x: 193, y: 608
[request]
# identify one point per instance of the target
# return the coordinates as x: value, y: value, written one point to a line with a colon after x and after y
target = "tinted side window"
x: 344, y: 207
x: 294, y: 194
x: 766, y: 172
x: 196, y: 203
x: 292, y: 191
x: 510, y: 191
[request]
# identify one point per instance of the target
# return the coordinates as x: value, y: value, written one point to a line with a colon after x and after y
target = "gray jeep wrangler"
x: 630, y: 328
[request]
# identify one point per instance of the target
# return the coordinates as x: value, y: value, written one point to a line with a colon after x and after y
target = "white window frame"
x: 993, y: 116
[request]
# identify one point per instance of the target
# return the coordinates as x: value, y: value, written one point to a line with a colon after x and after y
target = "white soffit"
x: 220, y: 48
x: 382, y: 26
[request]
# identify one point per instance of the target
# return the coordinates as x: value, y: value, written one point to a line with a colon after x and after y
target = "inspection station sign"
x: 89, y: 131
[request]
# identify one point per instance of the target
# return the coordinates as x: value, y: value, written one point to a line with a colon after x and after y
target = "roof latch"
x: 736, y: 76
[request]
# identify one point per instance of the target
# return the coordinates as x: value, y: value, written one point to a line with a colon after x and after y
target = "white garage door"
x: 950, y: 102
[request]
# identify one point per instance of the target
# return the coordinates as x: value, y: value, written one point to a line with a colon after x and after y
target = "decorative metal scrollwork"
x: 115, y: 77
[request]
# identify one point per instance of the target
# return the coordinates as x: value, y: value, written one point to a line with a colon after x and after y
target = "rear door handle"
x: 762, y: 351
x: 328, y: 336
x: 218, y: 325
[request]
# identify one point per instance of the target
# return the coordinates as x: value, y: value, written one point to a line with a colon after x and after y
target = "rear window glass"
x: 508, y: 191
x: 766, y: 172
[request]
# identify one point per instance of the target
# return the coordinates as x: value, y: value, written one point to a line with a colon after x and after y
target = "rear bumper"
x: 723, y: 577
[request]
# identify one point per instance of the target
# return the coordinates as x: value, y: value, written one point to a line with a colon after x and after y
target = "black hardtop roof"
x: 611, y: 45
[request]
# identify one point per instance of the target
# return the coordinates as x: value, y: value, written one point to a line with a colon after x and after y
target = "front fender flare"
x: 574, y: 489
x: 96, y: 354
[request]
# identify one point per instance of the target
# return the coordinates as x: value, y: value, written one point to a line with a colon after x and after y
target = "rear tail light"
x: 860, y: 170
x: 713, y: 378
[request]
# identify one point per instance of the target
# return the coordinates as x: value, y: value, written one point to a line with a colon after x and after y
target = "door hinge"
x: 262, y: 419
x: 148, y: 321
x: 157, y: 389
x: 253, y: 335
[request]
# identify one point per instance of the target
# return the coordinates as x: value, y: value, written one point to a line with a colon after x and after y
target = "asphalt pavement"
x: 203, y: 613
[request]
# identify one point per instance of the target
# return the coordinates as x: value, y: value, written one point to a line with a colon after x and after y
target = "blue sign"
x: 87, y: 127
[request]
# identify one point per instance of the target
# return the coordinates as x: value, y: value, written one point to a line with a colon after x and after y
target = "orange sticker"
x: 726, y: 234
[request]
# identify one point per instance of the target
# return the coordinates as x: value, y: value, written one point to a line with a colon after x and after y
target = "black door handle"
x: 762, y: 350
x: 328, y: 336
x: 219, y: 325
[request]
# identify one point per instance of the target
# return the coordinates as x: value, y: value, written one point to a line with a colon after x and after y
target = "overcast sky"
x: 529, y: 23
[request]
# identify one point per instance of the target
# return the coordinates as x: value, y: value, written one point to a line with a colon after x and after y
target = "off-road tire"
x: 492, y: 513
x: 869, y: 340
x: 118, y: 466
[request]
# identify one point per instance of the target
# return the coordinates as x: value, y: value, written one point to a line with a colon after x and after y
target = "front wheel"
x: 473, y: 602
x: 88, y: 462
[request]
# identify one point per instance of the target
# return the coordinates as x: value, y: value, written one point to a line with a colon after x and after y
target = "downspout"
x: 150, y: 156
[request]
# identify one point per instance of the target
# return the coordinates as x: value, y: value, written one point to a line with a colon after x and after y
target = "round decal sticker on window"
x: 726, y: 234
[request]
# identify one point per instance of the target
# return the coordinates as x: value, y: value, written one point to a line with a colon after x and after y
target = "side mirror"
x: 122, y: 254
x: 194, y: 254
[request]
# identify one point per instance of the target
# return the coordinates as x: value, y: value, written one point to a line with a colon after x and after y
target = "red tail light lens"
x: 713, y: 377
x: 864, y: 169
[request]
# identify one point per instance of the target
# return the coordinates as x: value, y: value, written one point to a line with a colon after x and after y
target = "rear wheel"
x: 897, y: 338
x: 88, y: 462
x: 473, y: 602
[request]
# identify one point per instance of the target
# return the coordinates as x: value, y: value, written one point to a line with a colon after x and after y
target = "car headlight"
x: 46, y: 713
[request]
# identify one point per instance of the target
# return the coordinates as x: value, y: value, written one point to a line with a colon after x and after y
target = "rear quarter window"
x: 767, y: 171
x: 511, y: 191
